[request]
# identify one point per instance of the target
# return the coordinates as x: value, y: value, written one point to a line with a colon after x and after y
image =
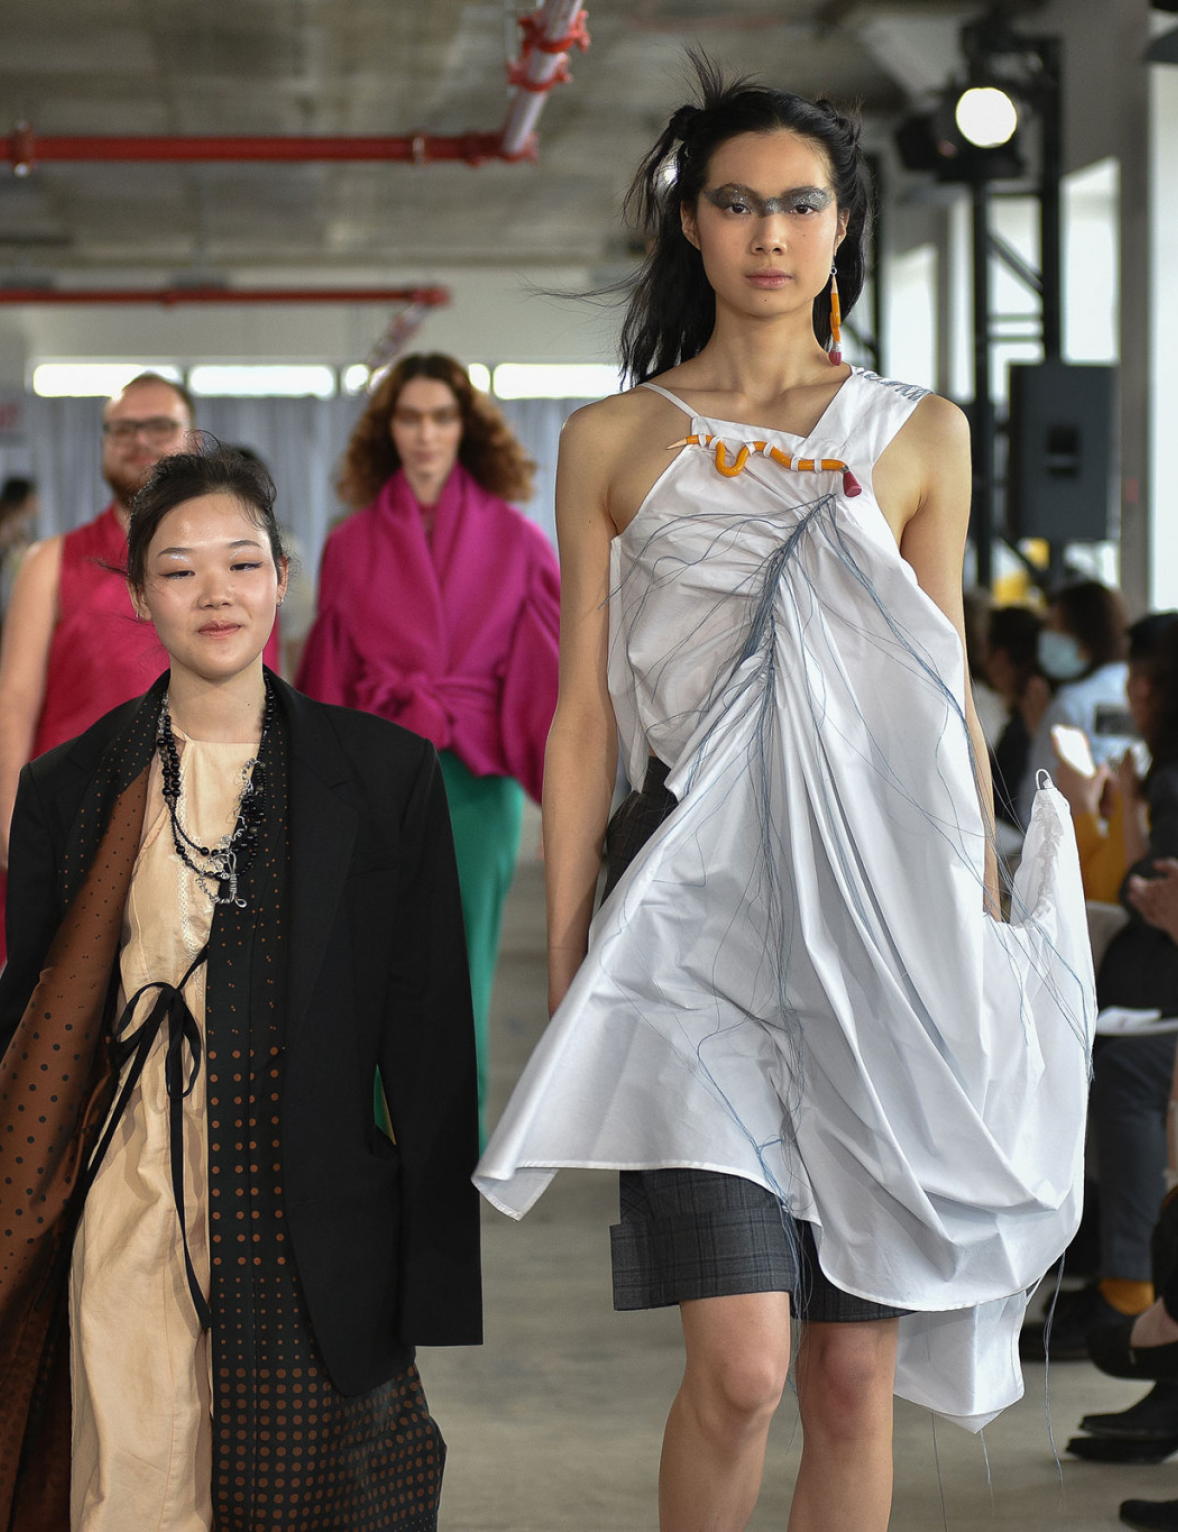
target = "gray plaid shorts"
x: 697, y: 1234
x: 686, y: 1233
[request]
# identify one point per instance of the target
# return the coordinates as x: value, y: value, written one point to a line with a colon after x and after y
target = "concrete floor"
x: 556, y: 1422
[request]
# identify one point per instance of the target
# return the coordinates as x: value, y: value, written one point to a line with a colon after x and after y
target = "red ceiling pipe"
x: 422, y: 297
x: 549, y: 33
x: 25, y: 149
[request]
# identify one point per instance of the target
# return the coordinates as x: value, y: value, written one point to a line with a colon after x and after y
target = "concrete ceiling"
x: 389, y: 66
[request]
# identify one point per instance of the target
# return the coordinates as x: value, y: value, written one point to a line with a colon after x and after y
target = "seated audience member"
x: 1082, y: 653
x: 1133, y: 1075
x: 1145, y: 1347
x: 1012, y: 665
x: 1098, y: 799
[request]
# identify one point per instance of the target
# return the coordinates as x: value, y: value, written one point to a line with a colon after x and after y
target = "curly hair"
x: 489, y: 451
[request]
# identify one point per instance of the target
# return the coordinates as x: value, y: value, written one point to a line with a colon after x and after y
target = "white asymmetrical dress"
x: 795, y: 980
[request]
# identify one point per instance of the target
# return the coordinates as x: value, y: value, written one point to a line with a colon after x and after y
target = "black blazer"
x: 386, y: 1239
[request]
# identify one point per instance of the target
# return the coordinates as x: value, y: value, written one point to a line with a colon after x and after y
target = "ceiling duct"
x: 549, y: 33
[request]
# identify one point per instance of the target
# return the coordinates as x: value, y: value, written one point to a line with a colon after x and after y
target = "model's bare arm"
x: 923, y: 480
x: 24, y: 660
x: 581, y: 761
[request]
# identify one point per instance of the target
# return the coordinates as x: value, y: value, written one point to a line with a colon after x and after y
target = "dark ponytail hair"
x: 672, y: 309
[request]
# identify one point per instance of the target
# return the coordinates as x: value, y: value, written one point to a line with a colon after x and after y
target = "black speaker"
x: 1059, y: 481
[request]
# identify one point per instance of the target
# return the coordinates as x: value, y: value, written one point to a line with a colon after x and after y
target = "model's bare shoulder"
x: 624, y: 441
x: 927, y: 463
x: 612, y: 420
x: 938, y: 422
x: 940, y: 440
x: 618, y: 445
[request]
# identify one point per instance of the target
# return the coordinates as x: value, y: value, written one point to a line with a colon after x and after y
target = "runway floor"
x: 556, y: 1422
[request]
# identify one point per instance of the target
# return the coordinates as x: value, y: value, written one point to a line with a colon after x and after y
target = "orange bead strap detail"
x: 851, y: 485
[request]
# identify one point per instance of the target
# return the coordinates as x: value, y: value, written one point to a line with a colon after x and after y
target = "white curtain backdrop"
x: 301, y: 440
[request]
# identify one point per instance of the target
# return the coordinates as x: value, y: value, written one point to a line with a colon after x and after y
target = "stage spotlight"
x: 986, y: 116
x: 933, y: 141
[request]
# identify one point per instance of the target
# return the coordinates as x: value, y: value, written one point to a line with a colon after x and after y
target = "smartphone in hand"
x: 1071, y: 745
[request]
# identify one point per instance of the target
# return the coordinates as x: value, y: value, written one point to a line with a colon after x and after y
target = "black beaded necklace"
x: 224, y: 862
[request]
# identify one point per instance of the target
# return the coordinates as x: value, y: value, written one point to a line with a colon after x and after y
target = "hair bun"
x: 683, y: 121
x: 849, y: 124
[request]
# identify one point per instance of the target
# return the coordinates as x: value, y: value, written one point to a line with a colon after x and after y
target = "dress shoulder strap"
x: 864, y: 422
x: 657, y: 388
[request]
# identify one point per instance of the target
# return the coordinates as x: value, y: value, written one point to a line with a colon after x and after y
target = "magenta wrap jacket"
x: 454, y: 638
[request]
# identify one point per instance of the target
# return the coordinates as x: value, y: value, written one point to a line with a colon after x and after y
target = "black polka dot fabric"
x: 290, y: 1451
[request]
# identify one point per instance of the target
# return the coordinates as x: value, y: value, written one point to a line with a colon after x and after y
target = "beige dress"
x: 142, y: 1413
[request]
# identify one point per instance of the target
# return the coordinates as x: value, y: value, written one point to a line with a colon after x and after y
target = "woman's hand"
x: 1156, y: 899
x: 1128, y: 780
x: 1136, y: 827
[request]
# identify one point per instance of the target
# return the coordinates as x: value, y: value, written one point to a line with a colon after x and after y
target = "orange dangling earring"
x: 836, y: 322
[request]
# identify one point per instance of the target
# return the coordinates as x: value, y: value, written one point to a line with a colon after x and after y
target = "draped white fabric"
x: 795, y: 981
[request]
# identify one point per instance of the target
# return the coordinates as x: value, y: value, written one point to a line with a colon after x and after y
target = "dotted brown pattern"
x: 55, y: 1089
x: 290, y: 1451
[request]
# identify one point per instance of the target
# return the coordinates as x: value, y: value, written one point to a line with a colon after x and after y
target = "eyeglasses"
x: 158, y: 429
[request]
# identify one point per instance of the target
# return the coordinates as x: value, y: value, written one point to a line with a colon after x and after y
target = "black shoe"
x: 1115, y: 1449
x: 1076, y: 1314
x: 1150, y: 1515
x: 1153, y: 1418
x: 1112, y: 1349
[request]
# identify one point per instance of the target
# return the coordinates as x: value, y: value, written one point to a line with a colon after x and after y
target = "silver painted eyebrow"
x: 766, y: 206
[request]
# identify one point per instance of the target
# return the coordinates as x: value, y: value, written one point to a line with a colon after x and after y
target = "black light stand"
x: 984, y: 43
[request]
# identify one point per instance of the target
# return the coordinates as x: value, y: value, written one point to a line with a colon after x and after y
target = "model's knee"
x: 737, y: 1395
x: 845, y: 1381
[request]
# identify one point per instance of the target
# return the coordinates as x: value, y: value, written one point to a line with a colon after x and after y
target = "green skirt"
x: 486, y: 814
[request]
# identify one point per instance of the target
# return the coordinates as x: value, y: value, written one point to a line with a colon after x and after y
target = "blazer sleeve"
x: 32, y: 913
x: 428, y: 1067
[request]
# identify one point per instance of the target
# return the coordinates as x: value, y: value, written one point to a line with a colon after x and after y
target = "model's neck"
x: 762, y: 359
x: 222, y: 712
x: 427, y: 492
